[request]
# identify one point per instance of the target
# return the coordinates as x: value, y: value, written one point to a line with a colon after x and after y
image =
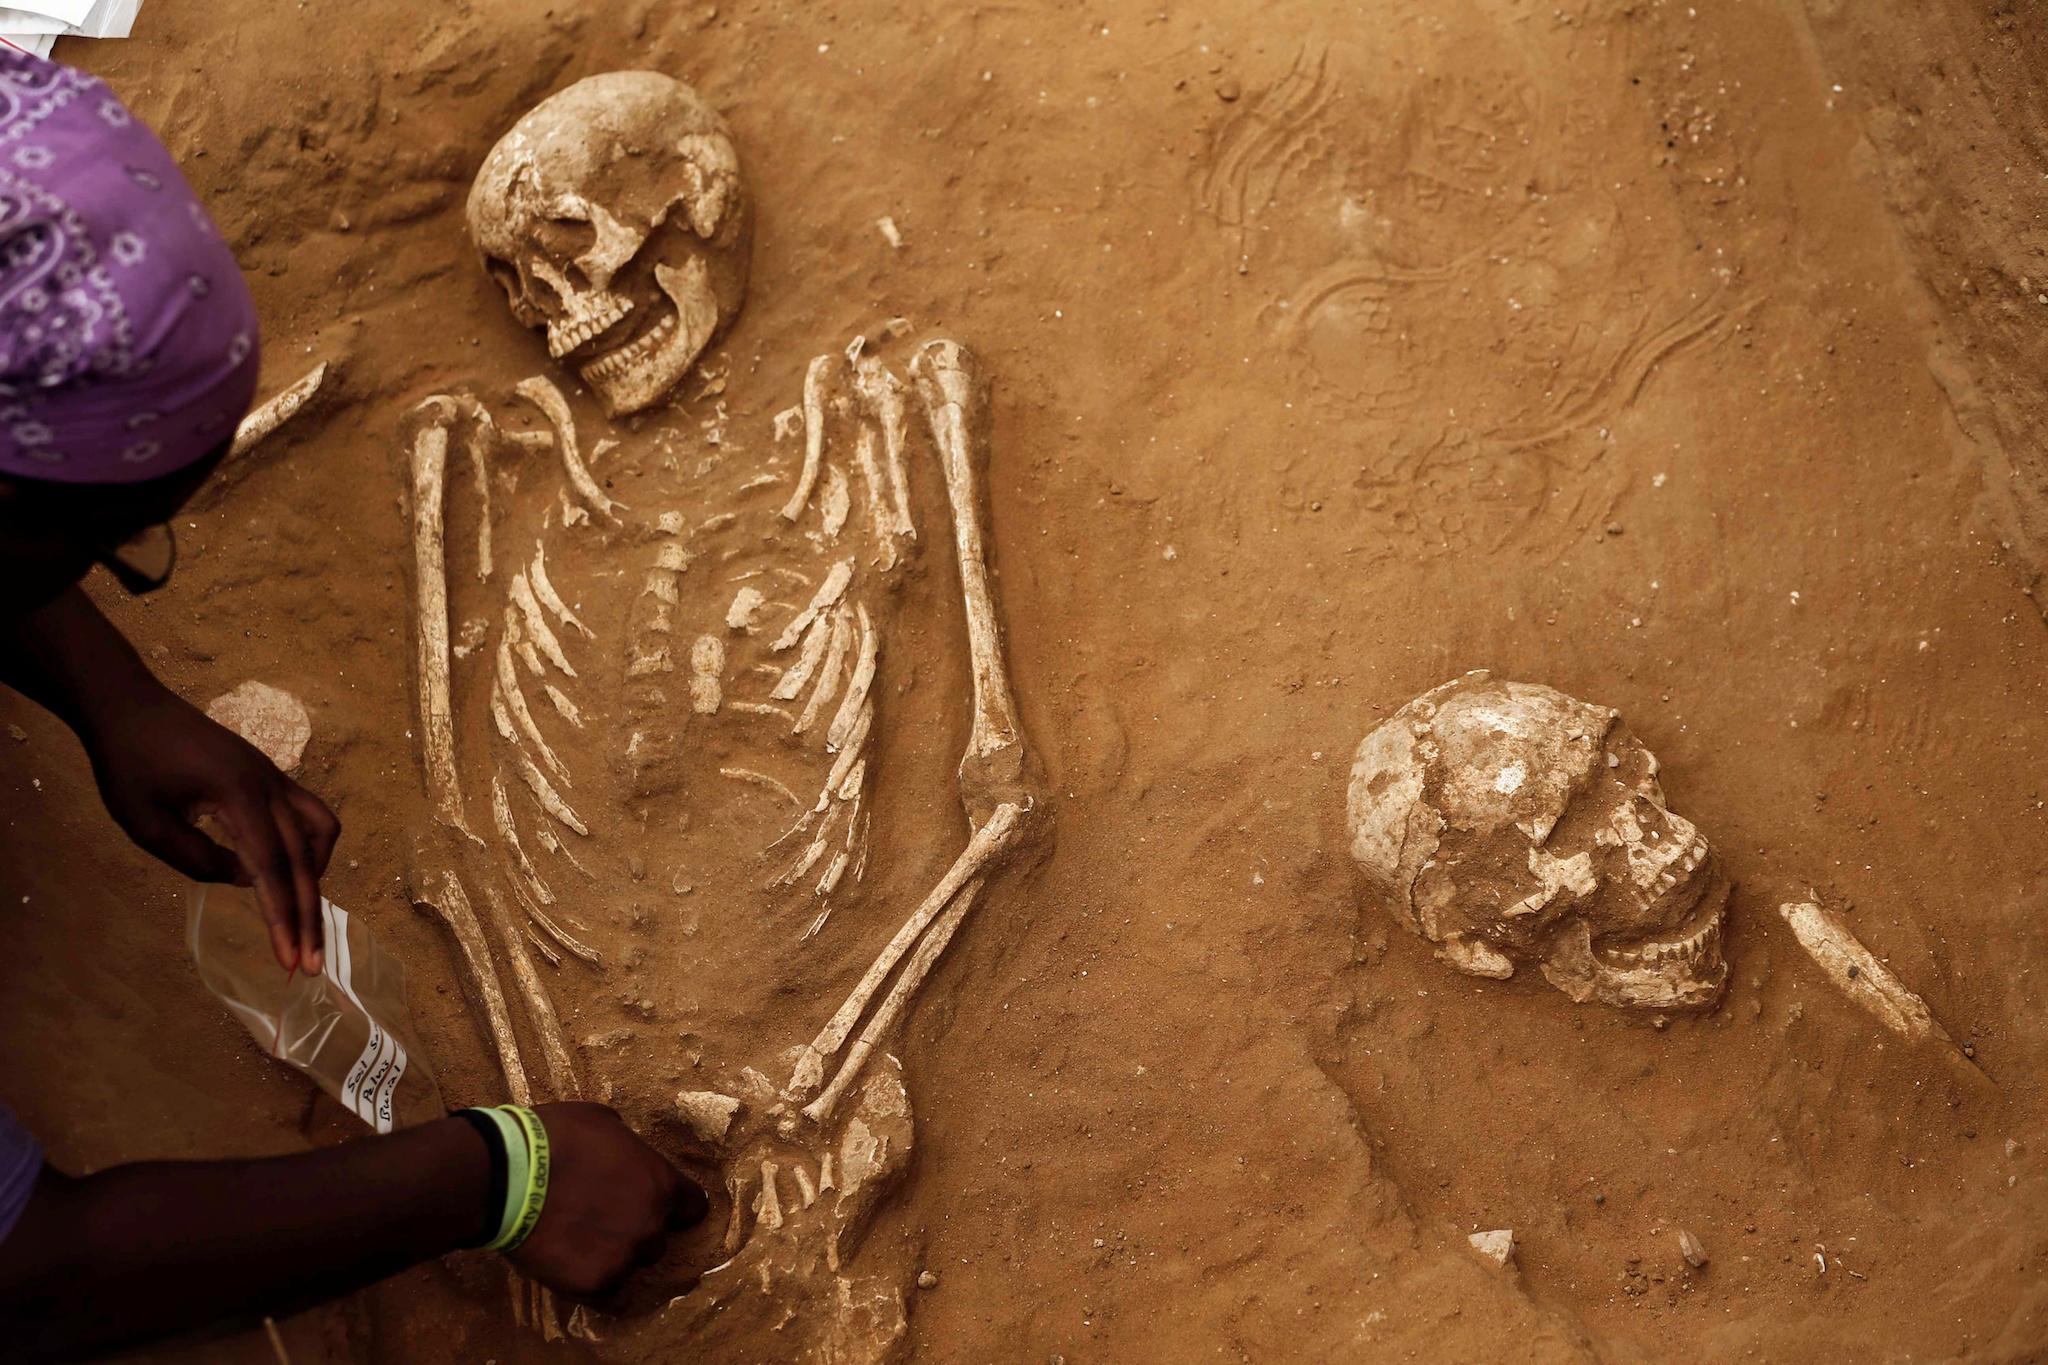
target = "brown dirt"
x: 1336, y: 354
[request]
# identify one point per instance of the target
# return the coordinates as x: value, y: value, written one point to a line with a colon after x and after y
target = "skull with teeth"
x: 614, y: 216
x: 1508, y: 823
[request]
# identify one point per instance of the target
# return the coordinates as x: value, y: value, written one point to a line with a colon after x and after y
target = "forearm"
x: 140, y: 1251
x: 69, y: 658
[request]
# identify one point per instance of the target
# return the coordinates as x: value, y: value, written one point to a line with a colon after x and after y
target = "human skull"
x: 615, y: 218
x: 1509, y: 823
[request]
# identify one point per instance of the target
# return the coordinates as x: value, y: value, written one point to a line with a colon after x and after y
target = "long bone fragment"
x: 540, y: 1010
x: 879, y: 514
x: 882, y: 393
x: 898, y: 999
x: 814, y: 435
x: 430, y: 608
x: 955, y: 402
x: 261, y: 424
x: 482, y: 435
x: 446, y: 898
x: 1857, y: 973
x: 834, y: 504
x: 542, y: 393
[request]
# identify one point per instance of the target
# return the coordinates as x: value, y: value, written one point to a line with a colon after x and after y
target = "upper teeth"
x: 597, y: 318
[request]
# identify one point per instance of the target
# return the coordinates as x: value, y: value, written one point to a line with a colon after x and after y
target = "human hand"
x: 612, y: 1201
x: 162, y: 765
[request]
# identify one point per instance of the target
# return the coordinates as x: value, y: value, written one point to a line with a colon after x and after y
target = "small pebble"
x: 1694, y: 1251
x: 927, y: 1280
x: 1497, y: 1246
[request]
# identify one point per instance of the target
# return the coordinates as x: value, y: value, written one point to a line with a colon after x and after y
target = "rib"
x: 542, y: 393
x: 259, y: 425
x: 814, y: 436
x: 545, y: 590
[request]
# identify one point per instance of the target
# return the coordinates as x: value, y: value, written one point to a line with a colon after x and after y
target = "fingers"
x: 253, y: 827
x: 305, y: 880
x: 321, y: 827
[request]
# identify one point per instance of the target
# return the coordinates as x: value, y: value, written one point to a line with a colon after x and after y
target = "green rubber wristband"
x: 534, y: 1195
x: 518, y: 1164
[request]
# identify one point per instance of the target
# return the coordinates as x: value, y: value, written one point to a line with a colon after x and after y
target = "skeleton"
x: 1508, y: 824
x: 667, y: 672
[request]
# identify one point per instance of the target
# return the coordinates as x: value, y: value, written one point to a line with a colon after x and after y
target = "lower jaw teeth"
x: 629, y: 355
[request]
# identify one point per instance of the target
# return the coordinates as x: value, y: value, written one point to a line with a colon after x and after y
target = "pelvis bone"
x: 1510, y: 824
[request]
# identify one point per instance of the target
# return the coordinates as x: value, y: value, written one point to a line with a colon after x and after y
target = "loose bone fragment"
x: 430, y: 567
x: 544, y: 395
x: 258, y: 426
x: 746, y: 607
x: 564, y: 708
x: 1859, y: 975
x: 814, y: 436
x: 708, y: 1114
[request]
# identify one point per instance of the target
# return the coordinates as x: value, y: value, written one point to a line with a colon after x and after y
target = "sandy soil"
x: 1337, y: 353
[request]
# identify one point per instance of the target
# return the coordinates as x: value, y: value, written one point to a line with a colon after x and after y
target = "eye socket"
x: 506, y: 276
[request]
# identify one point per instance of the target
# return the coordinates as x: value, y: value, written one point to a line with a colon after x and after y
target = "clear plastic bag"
x: 348, y: 1028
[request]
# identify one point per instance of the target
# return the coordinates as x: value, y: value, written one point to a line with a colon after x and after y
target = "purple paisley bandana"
x: 127, y: 336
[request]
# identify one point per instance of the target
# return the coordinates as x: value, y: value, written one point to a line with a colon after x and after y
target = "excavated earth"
x: 1687, y: 360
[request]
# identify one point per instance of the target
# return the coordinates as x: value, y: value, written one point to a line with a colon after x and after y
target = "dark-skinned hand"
x: 163, y: 765
x: 612, y: 1203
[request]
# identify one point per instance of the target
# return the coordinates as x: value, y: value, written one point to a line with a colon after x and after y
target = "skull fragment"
x: 615, y: 218
x: 1508, y: 823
